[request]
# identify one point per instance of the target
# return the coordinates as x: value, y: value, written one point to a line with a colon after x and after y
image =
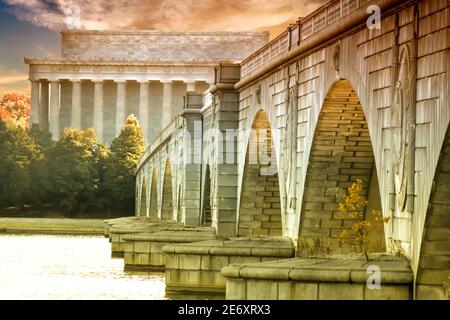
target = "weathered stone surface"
x: 388, y: 292
x: 341, y: 291
x: 236, y: 290
x: 161, y: 45
x: 324, y: 278
x: 217, y: 255
x: 306, y: 291
x: 430, y: 292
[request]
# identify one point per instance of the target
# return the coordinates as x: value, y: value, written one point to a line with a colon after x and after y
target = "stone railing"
x: 164, y: 136
x: 273, y: 49
x: 301, y: 30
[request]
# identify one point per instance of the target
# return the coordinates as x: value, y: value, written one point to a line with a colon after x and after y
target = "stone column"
x: 98, y: 109
x: 43, y: 106
x: 76, y: 105
x: 167, y: 104
x: 226, y: 100
x: 192, y: 160
x: 190, y: 85
x: 34, y: 104
x: 143, y: 108
x: 54, y: 109
x: 120, y: 109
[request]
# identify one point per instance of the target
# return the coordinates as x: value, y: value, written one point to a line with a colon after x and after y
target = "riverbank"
x: 48, y: 226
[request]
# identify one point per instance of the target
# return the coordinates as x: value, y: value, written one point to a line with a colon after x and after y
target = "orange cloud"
x: 164, y: 14
x: 12, y: 80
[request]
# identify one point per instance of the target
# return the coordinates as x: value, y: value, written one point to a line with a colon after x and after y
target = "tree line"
x: 76, y: 174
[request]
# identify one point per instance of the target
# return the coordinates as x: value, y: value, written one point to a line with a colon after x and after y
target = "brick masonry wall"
x: 434, y: 264
x: 161, y: 46
x: 260, y: 213
x: 341, y: 153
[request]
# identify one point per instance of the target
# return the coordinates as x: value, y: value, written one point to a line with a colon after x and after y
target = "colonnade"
x: 46, y: 105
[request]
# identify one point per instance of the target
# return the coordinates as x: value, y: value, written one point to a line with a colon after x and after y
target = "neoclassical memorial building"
x: 103, y: 76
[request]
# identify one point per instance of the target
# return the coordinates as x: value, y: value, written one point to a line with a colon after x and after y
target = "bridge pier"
x: 331, y: 278
x: 196, y: 267
x: 121, y: 229
x: 144, y: 251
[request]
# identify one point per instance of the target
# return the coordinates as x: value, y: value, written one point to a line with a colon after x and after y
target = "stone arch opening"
x: 260, y: 210
x: 167, y: 197
x: 153, y: 212
x: 206, y: 207
x: 143, y: 204
x: 179, y: 197
x: 434, y: 262
x: 341, y: 153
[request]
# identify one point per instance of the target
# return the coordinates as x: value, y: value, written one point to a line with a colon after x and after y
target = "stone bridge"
x: 333, y: 100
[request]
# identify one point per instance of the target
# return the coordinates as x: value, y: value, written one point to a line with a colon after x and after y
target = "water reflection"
x: 68, y: 267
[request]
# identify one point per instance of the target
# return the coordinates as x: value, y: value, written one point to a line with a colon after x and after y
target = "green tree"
x: 120, y: 180
x: 76, y: 170
x: 17, y: 151
x: 40, y: 185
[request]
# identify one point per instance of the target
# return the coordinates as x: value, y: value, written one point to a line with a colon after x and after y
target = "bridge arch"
x: 143, y: 198
x: 206, y: 216
x: 341, y: 152
x: 259, y: 205
x: 167, y: 193
x: 153, y: 211
x: 434, y: 261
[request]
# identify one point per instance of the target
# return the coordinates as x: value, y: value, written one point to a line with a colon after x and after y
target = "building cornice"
x: 62, y: 61
x: 162, y: 32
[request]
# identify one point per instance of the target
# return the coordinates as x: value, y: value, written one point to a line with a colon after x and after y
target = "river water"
x: 69, y: 267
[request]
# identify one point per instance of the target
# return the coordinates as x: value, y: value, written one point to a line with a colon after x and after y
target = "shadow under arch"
x: 260, y: 209
x: 206, y: 217
x: 434, y: 261
x: 143, y: 204
x: 341, y: 153
x: 153, y: 212
x: 167, y: 196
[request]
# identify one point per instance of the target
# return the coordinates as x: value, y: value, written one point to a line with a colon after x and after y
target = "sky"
x: 30, y: 28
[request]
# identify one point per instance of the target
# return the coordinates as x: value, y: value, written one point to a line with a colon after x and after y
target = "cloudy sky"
x: 31, y: 27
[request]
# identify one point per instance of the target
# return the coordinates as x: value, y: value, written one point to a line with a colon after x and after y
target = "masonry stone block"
x: 306, y: 291
x: 214, y: 262
x: 262, y: 290
x: 141, y: 247
x: 341, y: 291
x: 236, y: 289
x: 388, y: 292
x: 430, y: 292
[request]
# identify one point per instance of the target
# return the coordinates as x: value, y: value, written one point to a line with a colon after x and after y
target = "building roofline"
x: 162, y: 32
x: 64, y: 61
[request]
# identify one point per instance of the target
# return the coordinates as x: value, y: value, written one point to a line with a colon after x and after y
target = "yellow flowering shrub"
x: 353, y: 207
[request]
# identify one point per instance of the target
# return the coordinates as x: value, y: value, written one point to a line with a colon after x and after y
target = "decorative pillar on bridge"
x: 226, y: 102
x: 190, y: 85
x: 191, y: 184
